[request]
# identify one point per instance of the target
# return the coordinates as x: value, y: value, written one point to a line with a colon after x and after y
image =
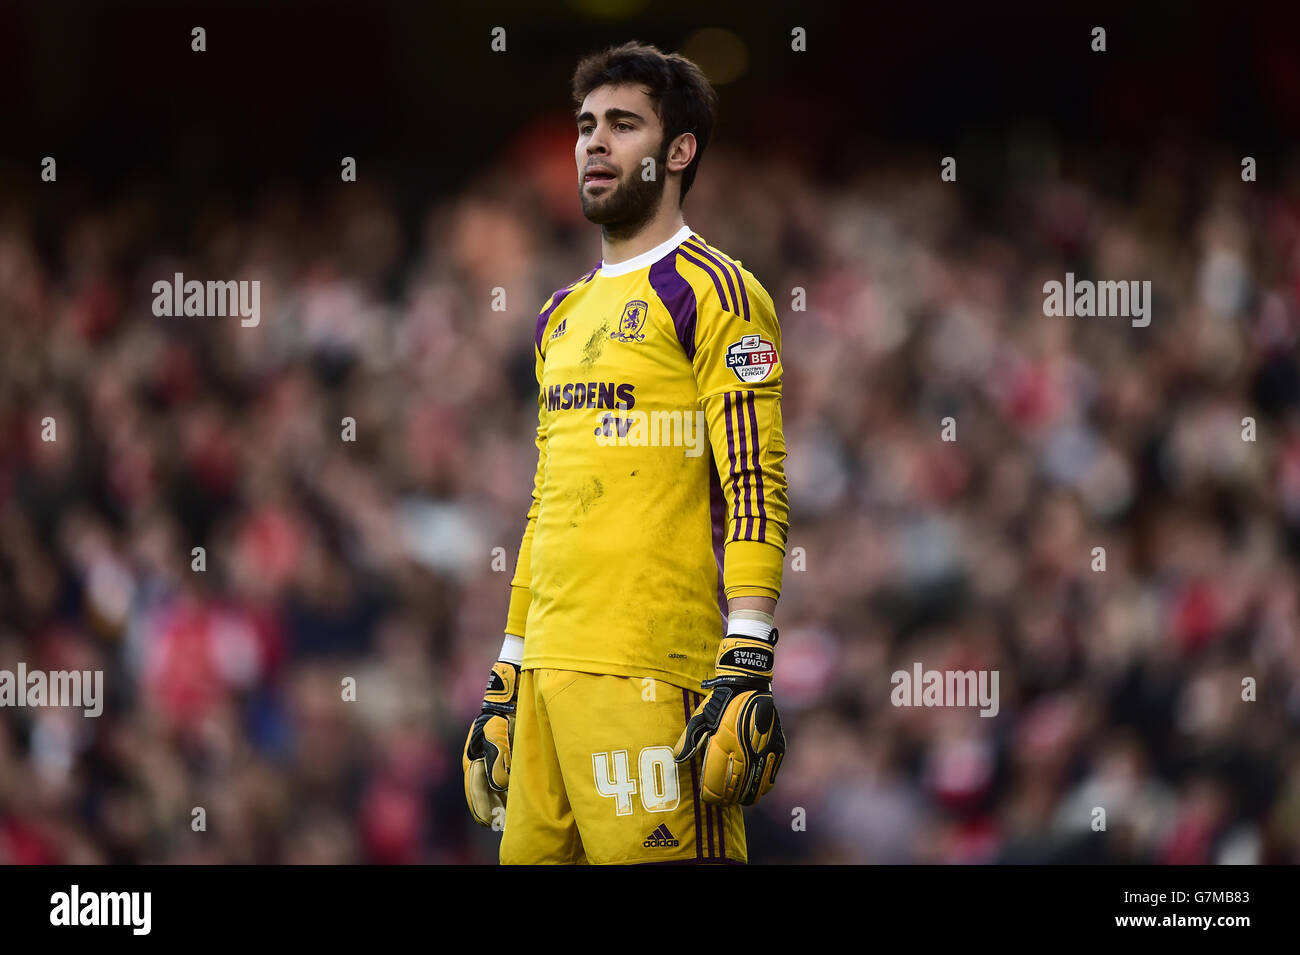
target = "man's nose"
x: 596, y: 144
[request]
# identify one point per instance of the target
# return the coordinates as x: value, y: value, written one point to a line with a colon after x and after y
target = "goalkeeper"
x: 630, y: 714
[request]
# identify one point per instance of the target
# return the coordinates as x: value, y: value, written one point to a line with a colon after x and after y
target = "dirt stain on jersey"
x: 595, y: 345
x: 589, y: 493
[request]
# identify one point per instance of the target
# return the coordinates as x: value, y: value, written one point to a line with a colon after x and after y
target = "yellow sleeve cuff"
x: 752, y: 569
x: 517, y: 615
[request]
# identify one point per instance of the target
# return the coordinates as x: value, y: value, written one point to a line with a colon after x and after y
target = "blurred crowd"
x: 1103, y: 529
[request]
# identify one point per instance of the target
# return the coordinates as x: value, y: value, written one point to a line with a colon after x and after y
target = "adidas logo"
x: 661, y: 838
x: 559, y: 329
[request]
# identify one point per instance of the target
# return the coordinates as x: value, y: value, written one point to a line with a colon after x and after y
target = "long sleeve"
x: 738, y: 370
x: 520, y: 593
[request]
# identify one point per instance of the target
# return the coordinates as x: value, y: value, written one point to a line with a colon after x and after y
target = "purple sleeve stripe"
x: 732, y: 267
x: 559, y: 297
x: 699, y: 249
x: 758, y: 469
x: 731, y: 457
x: 746, y: 481
x: 678, y: 297
x: 713, y: 274
x: 747, y: 478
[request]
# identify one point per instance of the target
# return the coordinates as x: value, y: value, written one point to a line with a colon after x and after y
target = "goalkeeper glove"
x: 737, y: 724
x: 486, y: 759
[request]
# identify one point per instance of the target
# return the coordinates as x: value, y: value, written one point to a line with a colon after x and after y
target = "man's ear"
x: 681, y: 152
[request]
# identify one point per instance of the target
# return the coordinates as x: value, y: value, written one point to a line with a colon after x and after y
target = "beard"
x: 625, y: 209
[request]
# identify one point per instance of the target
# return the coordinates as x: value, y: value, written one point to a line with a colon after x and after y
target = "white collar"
x: 648, y: 257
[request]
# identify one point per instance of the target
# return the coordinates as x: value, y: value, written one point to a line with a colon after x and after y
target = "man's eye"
x: 584, y: 130
x: 622, y: 125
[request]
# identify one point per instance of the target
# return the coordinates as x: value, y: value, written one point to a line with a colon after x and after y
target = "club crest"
x: 631, y: 324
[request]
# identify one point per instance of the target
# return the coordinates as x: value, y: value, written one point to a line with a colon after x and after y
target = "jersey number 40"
x: 660, y: 790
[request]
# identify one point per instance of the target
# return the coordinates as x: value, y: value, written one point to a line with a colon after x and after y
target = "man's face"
x: 617, y: 130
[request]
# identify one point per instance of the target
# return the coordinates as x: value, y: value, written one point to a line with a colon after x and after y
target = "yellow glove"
x: 737, y: 724
x: 486, y: 759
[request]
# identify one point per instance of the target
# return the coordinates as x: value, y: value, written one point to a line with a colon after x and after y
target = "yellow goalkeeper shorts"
x: 593, y: 780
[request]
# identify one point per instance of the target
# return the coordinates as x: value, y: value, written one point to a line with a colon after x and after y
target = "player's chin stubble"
x: 626, y: 210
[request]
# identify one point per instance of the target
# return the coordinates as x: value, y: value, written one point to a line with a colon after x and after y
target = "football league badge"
x: 752, y: 358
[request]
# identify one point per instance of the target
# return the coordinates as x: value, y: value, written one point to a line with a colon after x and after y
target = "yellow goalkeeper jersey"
x: 660, y: 489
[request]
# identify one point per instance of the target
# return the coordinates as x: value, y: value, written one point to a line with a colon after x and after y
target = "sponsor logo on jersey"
x: 560, y: 329
x: 752, y: 358
x: 633, y: 320
x: 661, y: 838
x: 591, y: 394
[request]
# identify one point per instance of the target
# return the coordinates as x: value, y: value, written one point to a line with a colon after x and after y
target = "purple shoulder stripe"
x: 713, y: 274
x: 740, y: 305
x: 559, y: 297
x: 679, y: 298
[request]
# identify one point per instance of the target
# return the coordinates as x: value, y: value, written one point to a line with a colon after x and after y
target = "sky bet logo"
x: 752, y: 358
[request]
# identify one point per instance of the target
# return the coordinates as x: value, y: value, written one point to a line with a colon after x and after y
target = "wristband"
x: 750, y: 623
x: 512, y: 650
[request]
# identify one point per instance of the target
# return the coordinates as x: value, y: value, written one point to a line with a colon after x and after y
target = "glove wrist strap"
x: 746, y: 658
x: 503, y: 685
